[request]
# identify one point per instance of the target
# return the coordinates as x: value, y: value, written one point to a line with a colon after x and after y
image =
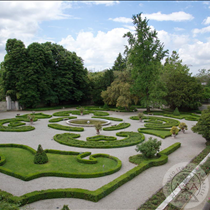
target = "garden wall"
x: 3, y: 106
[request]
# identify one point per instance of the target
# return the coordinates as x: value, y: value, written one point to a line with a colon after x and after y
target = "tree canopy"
x: 144, y: 55
x: 43, y: 74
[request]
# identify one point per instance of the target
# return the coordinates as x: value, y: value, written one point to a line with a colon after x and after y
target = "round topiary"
x: 40, y: 156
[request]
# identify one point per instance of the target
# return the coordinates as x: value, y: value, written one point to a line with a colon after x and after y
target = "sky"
x: 95, y: 29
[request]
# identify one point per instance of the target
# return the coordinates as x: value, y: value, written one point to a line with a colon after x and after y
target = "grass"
x: 101, y: 138
x: 20, y: 161
x: 81, y: 121
x: 162, y: 133
x: 109, y: 118
x: 138, y: 159
x: 58, y: 119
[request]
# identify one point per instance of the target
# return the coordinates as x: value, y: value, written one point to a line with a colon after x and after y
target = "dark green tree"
x: 40, y: 156
x: 203, y: 125
x: 120, y: 63
x: 2, y: 93
x: 144, y: 55
x: 183, y: 90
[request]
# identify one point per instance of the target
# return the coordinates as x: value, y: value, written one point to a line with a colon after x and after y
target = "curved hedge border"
x: 132, y: 138
x: 36, y: 115
x: 95, y: 195
x: 157, y: 122
x: 92, y: 160
x: 101, y: 113
x: 117, y: 127
x: 109, y: 118
x: 101, y: 138
x: 58, y: 119
x: 14, y: 125
x: 162, y: 133
x: 65, y: 128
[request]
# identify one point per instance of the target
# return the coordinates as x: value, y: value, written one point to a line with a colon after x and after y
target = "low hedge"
x: 162, y: 133
x: 92, y: 160
x: 67, y: 113
x: 101, y: 113
x: 14, y: 125
x: 131, y: 138
x: 117, y: 127
x: 95, y: 195
x: 109, y: 118
x: 101, y: 138
x: 36, y: 115
x: 58, y: 119
x: 65, y: 128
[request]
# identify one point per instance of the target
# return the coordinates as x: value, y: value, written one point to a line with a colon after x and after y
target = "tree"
x: 203, y: 125
x: 120, y: 63
x: 119, y: 92
x: 203, y: 77
x: 183, y: 90
x: 144, y: 55
x: 2, y: 93
x: 150, y: 148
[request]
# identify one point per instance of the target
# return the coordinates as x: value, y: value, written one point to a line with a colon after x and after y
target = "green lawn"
x: 20, y: 161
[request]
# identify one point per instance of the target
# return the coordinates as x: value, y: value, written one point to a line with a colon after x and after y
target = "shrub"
x: 106, y: 107
x: 150, y: 148
x: 65, y: 207
x: 176, y: 112
x: 117, y: 127
x: 109, y: 118
x: 65, y: 128
x: 182, y: 126
x: 140, y: 115
x: 101, y: 113
x: 81, y: 109
x: 40, y: 156
x: 174, y: 130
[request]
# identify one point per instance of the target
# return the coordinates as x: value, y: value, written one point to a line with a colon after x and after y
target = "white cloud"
x: 179, y: 29
x: 201, y: 31
x: 106, y: 3
x: 175, y: 16
x: 99, y: 52
x: 122, y: 20
x: 21, y: 20
x: 206, y: 21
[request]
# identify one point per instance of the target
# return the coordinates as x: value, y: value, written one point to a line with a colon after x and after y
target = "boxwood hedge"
x: 117, y: 127
x: 131, y: 138
x: 95, y: 195
x: 65, y: 128
x: 109, y: 118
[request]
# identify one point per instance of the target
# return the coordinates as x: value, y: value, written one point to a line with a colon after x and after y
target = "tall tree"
x: 120, y: 63
x: 183, y: 90
x: 144, y: 55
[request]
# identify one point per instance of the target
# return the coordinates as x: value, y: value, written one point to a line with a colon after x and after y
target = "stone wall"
x: 3, y: 106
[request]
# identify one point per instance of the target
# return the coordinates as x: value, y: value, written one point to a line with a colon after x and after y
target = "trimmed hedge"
x: 117, y: 127
x: 101, y: 113
x: 58, y: 119
x: 92, y: 160
x: 95, y: 195
x: 109, y: 118
x: 65, y: 128
x: 101, y: 138
x: 36, y: 115
x: 131, y: 138
x: 14, y: 125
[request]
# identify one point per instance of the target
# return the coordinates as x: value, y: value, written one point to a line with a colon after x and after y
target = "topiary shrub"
x: 183, y: 127
x: 65, y: 207
x: 40, y: 156
x: 176, y: 112
x: 106, y: 107
x: 140, y: 116
x: 150, y: 148
x: 174, y: 130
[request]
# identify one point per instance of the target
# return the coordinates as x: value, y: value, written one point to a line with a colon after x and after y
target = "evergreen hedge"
x: 117, y: 127
x: 65, y: 128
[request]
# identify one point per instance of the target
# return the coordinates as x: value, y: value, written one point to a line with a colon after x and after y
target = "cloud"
x: 200, y: 31
x: 98, y: 52
x: 106, y: 3
x: 122, y: 20
x: 179, y: 29
x: 175, y: 16
x: 206, y: 21
x: 21, y: 20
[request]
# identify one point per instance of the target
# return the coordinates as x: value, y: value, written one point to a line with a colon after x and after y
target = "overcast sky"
x: 95, y: 29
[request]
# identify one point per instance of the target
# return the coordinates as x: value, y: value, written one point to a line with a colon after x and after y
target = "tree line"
x: 48, y: 74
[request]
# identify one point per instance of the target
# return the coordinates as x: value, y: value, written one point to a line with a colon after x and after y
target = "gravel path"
x: 129, y: 196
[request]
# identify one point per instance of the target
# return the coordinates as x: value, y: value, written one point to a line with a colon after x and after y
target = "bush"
x: 109, y: 118
x: 106, y: 107
x: 65, y: 207
x: 65, y: 128
x: 150, y: 148
x: 182, y: 126
x: 140, y: 115
x: 40, y: 156
x: 101, y: 113
x: 174, y: 130
x: 176, y: 112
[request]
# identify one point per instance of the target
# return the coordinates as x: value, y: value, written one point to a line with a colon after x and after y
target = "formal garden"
x: 43, y: 145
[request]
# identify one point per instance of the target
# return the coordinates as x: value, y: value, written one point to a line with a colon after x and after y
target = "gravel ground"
x: 129, y: 196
